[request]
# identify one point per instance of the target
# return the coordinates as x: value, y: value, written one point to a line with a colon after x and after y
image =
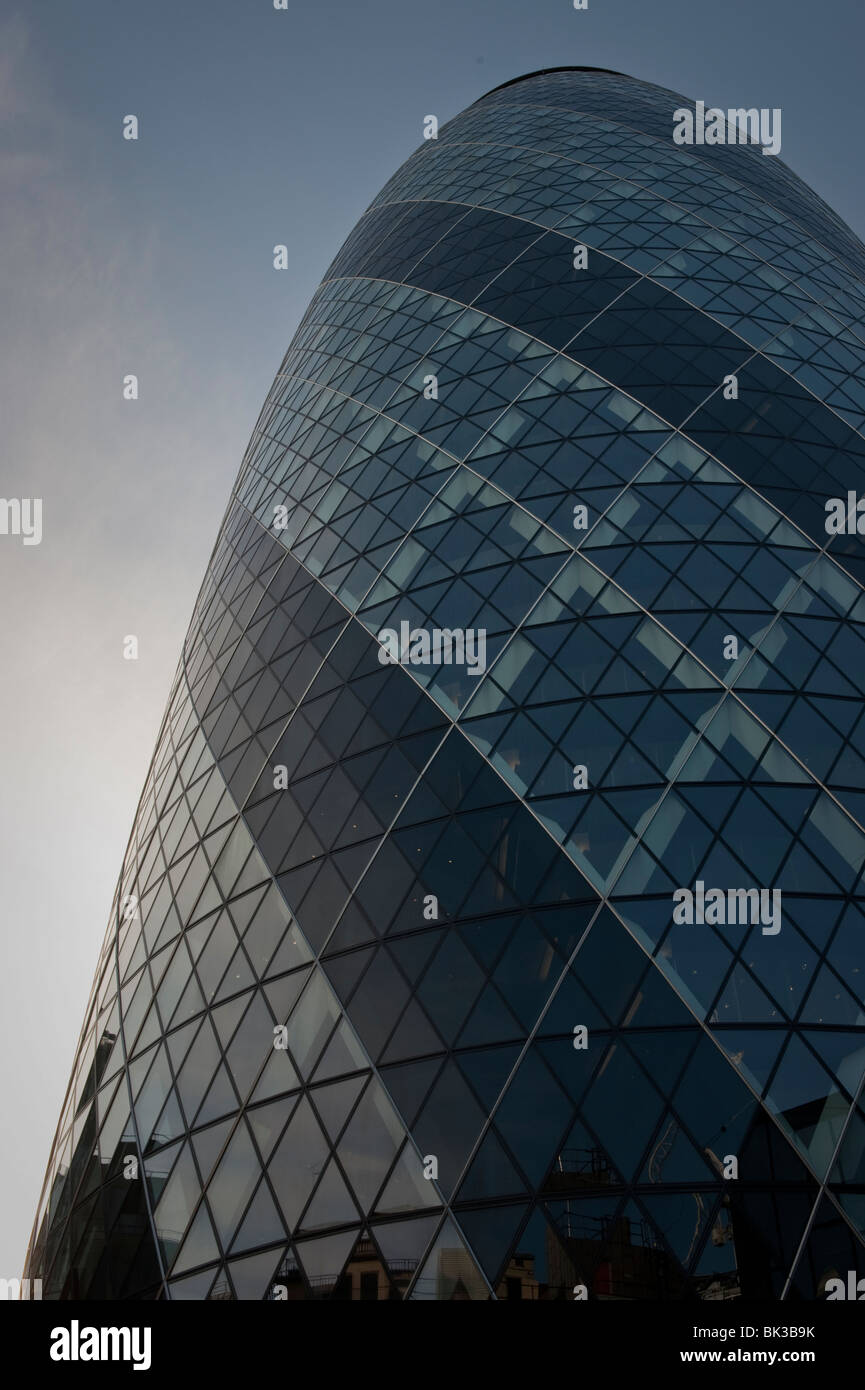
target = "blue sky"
x: 257, y: 127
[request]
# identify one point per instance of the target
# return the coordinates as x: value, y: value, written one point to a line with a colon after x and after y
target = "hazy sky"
x: 256, y: 127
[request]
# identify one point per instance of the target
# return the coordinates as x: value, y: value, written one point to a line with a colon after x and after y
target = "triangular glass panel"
x: 406, y: 1188
x: 267, y: 1123
x: 226, y: 1017
x: 324, y: 1260
x: 252, y: 1277
x: 297, y: 1161
x: 673, y: 1159
x: 176, y: 1204
x: 449, y: 1274
x: 194, y: 1288
x: 231, y: 1185
x: 261, y: 1224
x: 279, y: 1075
x: 282, y: 994
x: 342, y: 1054
x: 170, y: 1123
x: 491, y: 1235
x: 332, y: 1204
x: 208, y: 1145
x: 409, y: 1085
x: 491, y: 1174
x: 334, y: 1102
x: 200, y: 1245
x: 219, y: 1100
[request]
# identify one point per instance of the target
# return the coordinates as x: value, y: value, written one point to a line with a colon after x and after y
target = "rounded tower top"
x: 545, y: 72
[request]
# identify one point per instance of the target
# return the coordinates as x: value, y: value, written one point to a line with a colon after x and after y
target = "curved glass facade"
x: 399, y: 996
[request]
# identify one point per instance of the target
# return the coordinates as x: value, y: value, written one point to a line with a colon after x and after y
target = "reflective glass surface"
x: 333, y: 1044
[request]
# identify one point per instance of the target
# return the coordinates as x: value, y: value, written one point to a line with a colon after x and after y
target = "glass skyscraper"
x: 521, y: 957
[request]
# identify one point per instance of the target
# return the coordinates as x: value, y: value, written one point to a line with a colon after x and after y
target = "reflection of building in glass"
x: 518, y: 1279
x: 365, y: 1278
x: 373, y: 902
